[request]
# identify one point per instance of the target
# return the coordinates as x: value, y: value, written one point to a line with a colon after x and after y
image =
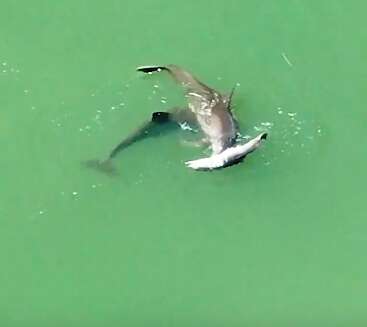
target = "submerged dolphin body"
x: 207, y: 108
x: 213, y: 114
x: 211, y: 109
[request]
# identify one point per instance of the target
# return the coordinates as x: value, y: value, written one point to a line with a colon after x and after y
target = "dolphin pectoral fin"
x: 196, y: 144
x: 104, y: 166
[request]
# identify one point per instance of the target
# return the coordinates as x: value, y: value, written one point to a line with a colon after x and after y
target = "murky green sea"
x: 279, y: 240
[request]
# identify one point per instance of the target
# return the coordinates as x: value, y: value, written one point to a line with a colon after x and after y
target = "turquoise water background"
x: 279, y: 240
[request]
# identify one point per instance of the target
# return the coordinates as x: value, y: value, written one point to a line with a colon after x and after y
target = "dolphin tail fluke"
x: 104, y: 166
x: 151, y: 69
x: 183, y: 77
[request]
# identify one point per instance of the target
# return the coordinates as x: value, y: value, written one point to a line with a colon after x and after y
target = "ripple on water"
x: 8, y: 69
x: 289, y: 131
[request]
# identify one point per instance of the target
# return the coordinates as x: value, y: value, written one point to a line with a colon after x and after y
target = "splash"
x: 289, y: 131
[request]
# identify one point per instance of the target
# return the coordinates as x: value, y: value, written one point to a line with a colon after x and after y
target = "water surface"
x: 276, y: 241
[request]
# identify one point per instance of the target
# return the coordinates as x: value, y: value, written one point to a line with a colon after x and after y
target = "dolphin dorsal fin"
x: 228, y: 98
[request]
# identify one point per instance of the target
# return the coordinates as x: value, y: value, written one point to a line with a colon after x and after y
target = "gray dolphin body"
x: 211, y: 109
x: 207, y: 108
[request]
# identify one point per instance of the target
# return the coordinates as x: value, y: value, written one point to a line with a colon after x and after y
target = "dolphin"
x: 207, y: 108
x: 211, y: 109
x: 228, y: 157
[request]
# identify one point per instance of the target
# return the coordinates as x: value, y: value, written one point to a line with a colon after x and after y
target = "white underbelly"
x: 228, y: 156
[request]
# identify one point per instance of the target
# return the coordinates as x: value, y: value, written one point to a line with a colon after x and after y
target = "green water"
x: 279, y: 240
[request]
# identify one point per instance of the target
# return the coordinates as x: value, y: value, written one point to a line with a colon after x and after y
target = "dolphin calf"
x: 207, y: 108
